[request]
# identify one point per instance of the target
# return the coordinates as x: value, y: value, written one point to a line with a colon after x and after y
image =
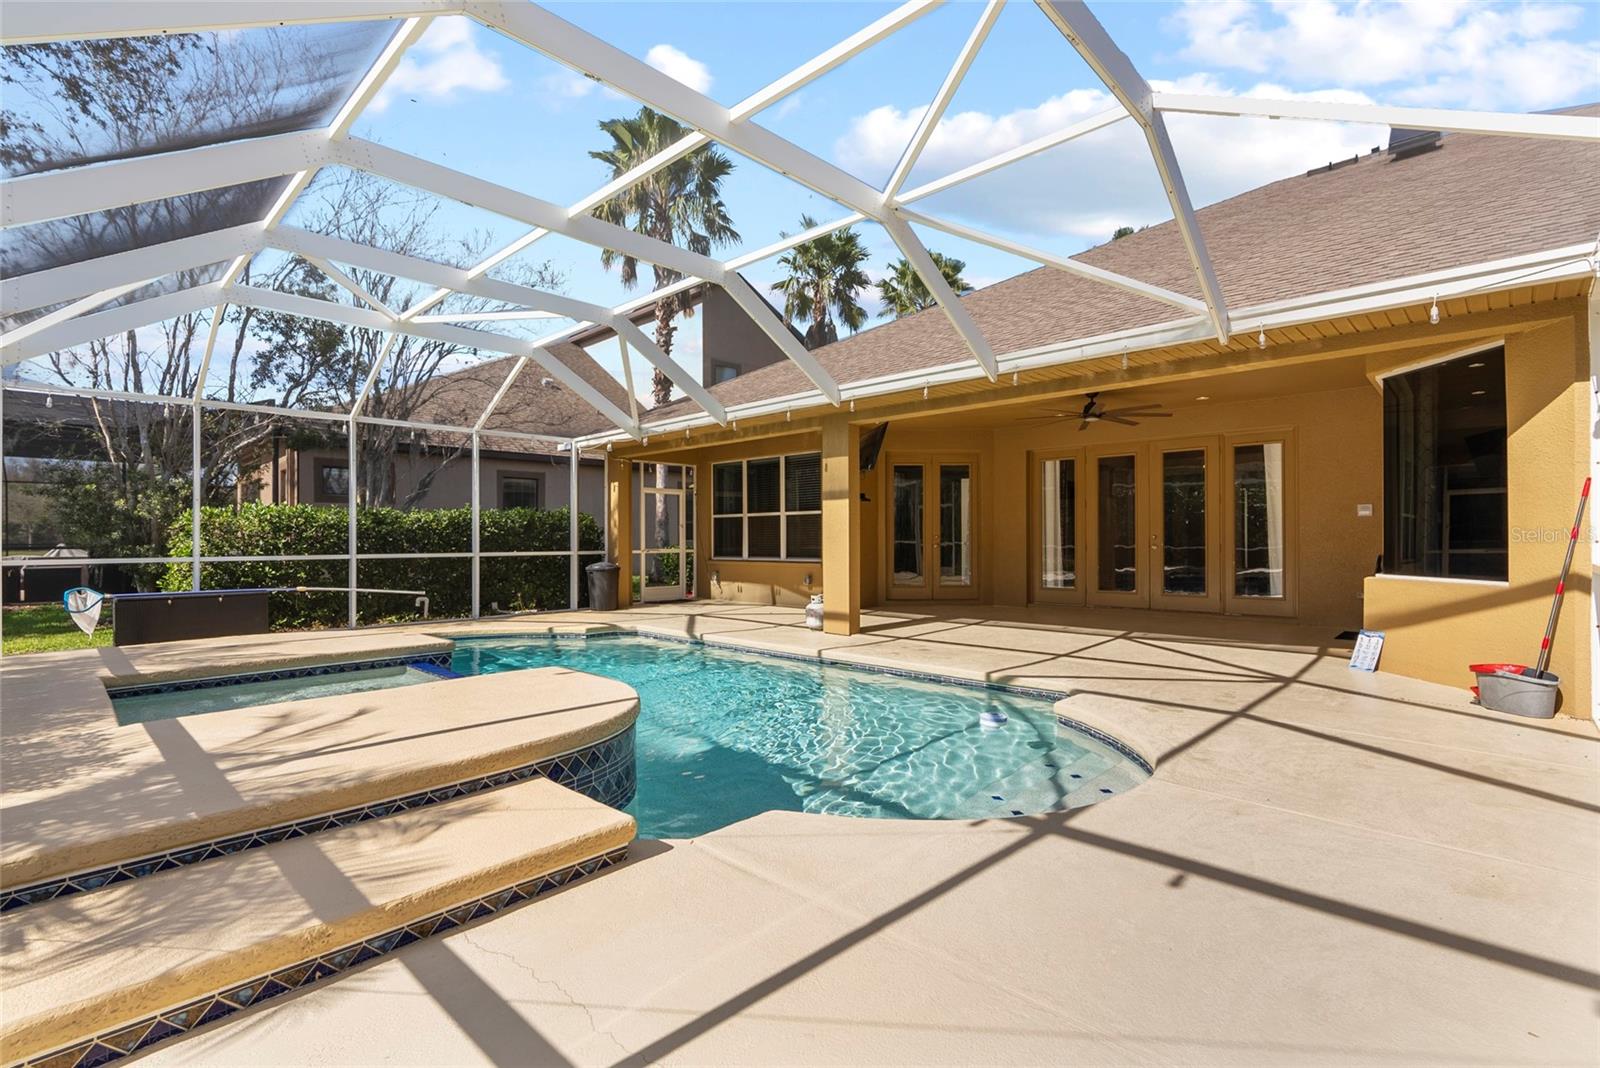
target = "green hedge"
x: 514, y: 583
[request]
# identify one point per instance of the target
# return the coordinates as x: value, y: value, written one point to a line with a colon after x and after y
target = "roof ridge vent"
x: 1403, y: 143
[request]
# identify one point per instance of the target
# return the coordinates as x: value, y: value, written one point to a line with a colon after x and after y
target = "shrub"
x: 514, y: 583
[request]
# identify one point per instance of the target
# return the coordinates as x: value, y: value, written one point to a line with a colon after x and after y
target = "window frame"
x: 502, y: 477
x: 317, y: 495
x: 783, y: 514
x: 1380, y: 379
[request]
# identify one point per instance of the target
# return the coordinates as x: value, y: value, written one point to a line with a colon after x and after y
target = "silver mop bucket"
x: 1529, y: 694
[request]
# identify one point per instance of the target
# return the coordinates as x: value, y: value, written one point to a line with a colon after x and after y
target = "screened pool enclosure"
x: 217, y: 294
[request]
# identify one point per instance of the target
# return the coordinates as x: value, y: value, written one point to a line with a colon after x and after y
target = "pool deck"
x: 1328, y: 867
x: 80, y: 791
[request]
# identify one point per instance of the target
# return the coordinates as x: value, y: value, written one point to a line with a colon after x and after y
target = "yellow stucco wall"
x: 1335, y: 440
x: 1434, y: 629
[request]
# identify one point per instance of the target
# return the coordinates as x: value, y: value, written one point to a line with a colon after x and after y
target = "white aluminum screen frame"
x: 85, y: 287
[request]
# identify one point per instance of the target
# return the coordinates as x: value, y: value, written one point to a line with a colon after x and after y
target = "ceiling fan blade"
x: 1084, y: 425
x: 1153, y: 415
x: 1113, y: 417
x: 1139, y: 407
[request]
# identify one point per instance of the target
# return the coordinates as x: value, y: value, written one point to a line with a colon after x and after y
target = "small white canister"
x: 814, y: 612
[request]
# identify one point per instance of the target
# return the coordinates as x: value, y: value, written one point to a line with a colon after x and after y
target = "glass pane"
x: 727, y: 489
x: 1444, y: 469
x: 908, y: 525
x: 802, y: 480
x: 761, y: 481
x: 664, y: 476
x: 805, y: 537
x: 764, y: 535
x: 1118, y: 563
x: 955, y: 524
x: 727, y: 536
x: 662, y: 512
x: 1057, y: 499
x: 1258, y: 520
x: 1183, y: 522
x: 662, y: 569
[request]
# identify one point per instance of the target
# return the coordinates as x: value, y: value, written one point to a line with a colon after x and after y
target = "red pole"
x: 1561, y: 584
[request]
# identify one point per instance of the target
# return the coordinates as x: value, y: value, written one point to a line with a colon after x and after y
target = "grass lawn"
x: 46, y: 628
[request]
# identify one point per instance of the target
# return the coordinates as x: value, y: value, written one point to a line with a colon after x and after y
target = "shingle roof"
x: 531, y: 406
x: 1474, y: 199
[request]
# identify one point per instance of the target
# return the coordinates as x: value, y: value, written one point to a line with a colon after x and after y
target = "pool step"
x: 91, y: 977
x: 1038, y: 787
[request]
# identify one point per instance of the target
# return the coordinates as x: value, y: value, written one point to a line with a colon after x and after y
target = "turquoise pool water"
x: 724, y: 735
x: 144, y: 708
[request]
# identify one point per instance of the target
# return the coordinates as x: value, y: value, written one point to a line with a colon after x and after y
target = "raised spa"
x: 725, y: 735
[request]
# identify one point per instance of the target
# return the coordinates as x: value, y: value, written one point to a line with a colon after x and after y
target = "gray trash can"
x: 602, y: 586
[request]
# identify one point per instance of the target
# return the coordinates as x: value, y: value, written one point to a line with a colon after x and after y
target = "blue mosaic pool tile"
x: 605, y: 772
x: 433, y: 663
x: 136, y: 1037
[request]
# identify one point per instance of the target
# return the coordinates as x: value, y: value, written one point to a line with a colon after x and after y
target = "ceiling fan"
x: 1093, y: 412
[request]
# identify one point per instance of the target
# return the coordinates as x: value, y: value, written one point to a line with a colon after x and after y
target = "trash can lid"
x: 603, y: 565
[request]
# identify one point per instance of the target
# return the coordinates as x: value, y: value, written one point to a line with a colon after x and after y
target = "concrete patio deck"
x: 1327, y: 867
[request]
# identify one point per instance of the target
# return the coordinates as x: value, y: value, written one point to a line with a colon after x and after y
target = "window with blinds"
x: 767, y: 509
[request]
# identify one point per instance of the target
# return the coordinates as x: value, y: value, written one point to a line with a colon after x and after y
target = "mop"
x: 1561, y: 585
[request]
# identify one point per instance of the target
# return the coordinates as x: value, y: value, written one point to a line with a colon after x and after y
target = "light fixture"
x: 646, y: 440
x: 49, y: 400
x: 924, y: 391
x: 1475, y: 363
x: 1016, y: 378
x: 788, y: 415
x: 1261, y: 337
x: 1202, y: 397
x: 1478, y: 392
x: 608, y: 446
x: 1433, y: 311
x: 852, y: 405
x: 1124, y: 361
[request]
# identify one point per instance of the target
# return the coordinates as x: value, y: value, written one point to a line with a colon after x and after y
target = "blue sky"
x: 486, y: 105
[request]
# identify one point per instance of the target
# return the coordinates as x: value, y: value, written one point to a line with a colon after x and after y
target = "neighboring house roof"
x: 535, y: 404
x: 1476, y: 198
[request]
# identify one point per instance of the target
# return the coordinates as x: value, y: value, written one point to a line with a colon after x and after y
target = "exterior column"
x: 619, y: 526
x: 841, y: 526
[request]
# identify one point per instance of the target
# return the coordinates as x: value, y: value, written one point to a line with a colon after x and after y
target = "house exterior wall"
x: 1434, y: 627
x: 730, y: 337
x: 451, y: 486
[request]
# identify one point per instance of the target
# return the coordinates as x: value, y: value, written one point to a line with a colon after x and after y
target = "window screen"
x: 768, y: 509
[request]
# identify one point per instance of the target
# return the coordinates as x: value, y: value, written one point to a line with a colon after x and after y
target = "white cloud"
x: 1443, y: 52
x: 675, y: 64
x: 444, y: 63
x: 1079, y: 193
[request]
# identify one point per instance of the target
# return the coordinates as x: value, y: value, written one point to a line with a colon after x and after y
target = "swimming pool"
x: 724, y: 735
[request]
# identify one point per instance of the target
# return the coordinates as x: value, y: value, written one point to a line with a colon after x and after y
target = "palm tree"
x: 825, y: 278
x: 903, y: 291
x: 681, y: 204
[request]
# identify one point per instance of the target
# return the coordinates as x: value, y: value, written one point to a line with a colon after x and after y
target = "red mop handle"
x: 1561, y: 583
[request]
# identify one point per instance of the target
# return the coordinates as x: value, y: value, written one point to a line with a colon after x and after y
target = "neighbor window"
x: 1444, y: 469
x: 519, y: 491
x: 768, y: 509
x: 722, y: 372
x: 333, y: 482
